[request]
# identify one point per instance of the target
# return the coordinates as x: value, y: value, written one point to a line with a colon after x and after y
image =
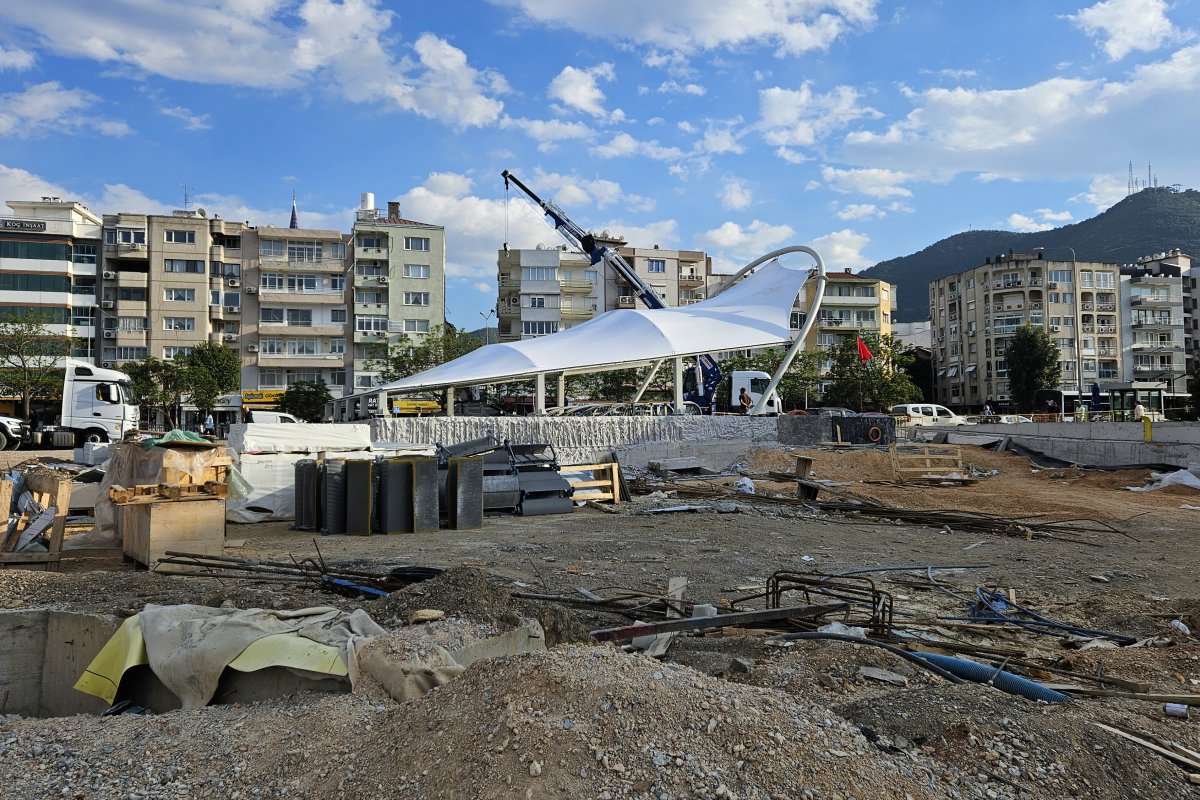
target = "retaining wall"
x: 718, y: 441
x: 1102, y: 444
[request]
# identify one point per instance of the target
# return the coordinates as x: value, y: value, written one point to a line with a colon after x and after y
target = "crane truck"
x: 700, y: 385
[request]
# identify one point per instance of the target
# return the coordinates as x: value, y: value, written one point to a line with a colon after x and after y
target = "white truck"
x: 97, y: 403
x: 755, y: 383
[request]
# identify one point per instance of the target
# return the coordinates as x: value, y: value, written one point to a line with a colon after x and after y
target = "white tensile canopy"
x: 753, y: 313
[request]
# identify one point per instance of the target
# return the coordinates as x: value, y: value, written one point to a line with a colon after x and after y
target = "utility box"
x: 149, y: 530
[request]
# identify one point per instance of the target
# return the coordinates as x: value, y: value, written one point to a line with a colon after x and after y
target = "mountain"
x: 1147, y: 222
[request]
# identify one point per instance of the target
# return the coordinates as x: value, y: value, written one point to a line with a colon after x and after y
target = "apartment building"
x: 168, y: 283
x: 399, y: 284
x: 295, y: 316
x: 1158, y: 292
x: 548, y: 289
x: 850, y: 306
x: 49, y: 251
x: 975, y: 313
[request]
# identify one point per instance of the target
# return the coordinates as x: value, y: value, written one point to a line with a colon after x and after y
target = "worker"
x: 745, y: 401
x: 209, y: 426
x: 987, y: 410
x: 1139, y: 410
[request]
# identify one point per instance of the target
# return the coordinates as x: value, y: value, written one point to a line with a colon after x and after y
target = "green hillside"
x: 1150, y: 221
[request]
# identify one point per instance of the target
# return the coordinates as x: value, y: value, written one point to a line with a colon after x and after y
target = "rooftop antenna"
x: 187, y: 200
x: 1129, y: 186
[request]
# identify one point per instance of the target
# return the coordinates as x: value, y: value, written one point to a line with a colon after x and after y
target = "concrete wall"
x: 718, y: 441
x: 1103, y: 444
x: 42, y: 654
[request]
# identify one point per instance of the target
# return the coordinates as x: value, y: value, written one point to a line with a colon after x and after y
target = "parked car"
x: 928, y: 414
x: 272, y: 416
x: 832, y: 411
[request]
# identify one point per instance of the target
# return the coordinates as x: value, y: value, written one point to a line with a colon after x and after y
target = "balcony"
x: 1109, y: 307
x: 690, y: 279
x: 845, y: 300
x: 371, y: 337
x: 577, y: 287
x: 296, y: 329
x: 577, y: 312
x: 1088, y: 328
x: 225, y: 312
x: 1106, y: 329
x: 315, y: 296
x: 1035, y: 281
x: 126, y: 250
x: 369, y: 281
x: 283, y: 264
x: 371, y: 252
x: 626, y: 301
x: 293, y: 360
x: 1154, y: 323
x: 1153, y: 300
x: 370, y: 308
x: 1157, y: 347
x: 1089, y: 306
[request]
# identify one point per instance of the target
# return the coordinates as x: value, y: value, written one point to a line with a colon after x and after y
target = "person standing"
x: 745, y: 401
x: 1139, y: 410
x: 209, y: 425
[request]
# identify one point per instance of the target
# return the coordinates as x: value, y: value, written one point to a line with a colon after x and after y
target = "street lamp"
x: 487, y: 324
x: 1078, y: 303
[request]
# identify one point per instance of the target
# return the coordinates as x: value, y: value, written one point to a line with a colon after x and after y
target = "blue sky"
x: 866, y: 129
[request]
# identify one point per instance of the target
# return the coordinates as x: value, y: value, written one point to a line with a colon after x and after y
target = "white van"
x: 928, y: 414
x: 271, y: 416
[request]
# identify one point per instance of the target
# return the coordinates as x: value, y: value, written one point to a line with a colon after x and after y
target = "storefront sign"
x: 21, y: 225
x: 262, y: 397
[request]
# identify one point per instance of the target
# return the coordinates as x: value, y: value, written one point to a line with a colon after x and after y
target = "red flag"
x: 863, y: 352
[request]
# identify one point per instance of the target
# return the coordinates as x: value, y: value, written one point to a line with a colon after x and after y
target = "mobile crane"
x: 700, y: 384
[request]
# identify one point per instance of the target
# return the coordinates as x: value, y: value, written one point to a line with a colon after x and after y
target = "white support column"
x: 678, y: 381
x: 381, y: 406
x: 562, y: 389
x: 449, y: 401
x: 539, y: 394
x: 637, y: 396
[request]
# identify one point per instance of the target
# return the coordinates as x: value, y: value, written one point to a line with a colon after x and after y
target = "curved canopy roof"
x: 753, y: 313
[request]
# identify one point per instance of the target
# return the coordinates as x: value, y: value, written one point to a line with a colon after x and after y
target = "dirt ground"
x: 723, y: 715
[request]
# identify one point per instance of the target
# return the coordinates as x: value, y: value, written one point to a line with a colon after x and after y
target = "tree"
x: 209, y: 371
x: 1032, y: 358
x: 306, y: 400
x: 158, y: 385
x: 31, y: 357
x: 878, y: 383
x: 443, y: 343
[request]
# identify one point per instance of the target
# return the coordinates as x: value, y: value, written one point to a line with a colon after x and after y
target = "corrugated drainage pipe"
x: 1004, y: 681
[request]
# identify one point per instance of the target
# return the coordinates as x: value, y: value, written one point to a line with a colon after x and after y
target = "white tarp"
x: 301, y: 437
x: 754, y: 313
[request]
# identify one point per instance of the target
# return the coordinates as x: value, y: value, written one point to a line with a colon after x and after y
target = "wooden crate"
x: 926, y: 462
x: 51, y: 491
x: 607, y: 483
x: 149, y: 530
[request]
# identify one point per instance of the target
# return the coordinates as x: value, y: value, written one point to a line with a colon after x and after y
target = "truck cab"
x: 755, y: 383
x: 97, y: 403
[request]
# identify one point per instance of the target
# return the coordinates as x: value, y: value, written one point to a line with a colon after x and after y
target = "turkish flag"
x: 863, y: 352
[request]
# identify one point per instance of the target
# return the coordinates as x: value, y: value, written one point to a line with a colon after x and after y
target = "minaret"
x: 295, y: 223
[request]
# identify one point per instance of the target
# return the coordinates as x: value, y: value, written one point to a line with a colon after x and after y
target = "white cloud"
x: 50, y: 108
x: 191, y: 122
x: 343, y: 45
x: 1050, y: 215
x: 842, y: 249
x: 758, y: 237
x: 801, y: 117
x: 486, y: 288
x: 720, y: 137
x: 674, y: 87
x: 1124, y: 26
x: 1020, y: 222
x: 19, y: 184
x: 624, y: 145
x: 793, y: 27
x: 664, y: 233
x: 548, y: 133
x: 686, y: 126
x: 579, y: 89
x: 571, y: 191
x: 860, y: 211
x: 1104, y: 191
x: 735, y: 194
x: 872, y: 182
x: 791, y: 156
x: 14, y: 59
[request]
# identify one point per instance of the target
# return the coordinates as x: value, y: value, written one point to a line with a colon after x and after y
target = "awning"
x: 753, y: 313
x: 941, y: 373
x: 970, y: 369
x: 952, y: 372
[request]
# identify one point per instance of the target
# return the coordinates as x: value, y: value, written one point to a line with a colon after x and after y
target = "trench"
x: 43, y: 652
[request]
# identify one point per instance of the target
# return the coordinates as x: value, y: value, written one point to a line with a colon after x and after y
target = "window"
x: 539, y: 328
x: 371, y: 323
x: 337, y: 377
x: 416, y: 298
x: 337, y: 346
x: 183, y: 265
x: 416, y: 326
x: 129, y: 324
x: 171, y: 351
x: 303, y: 347
x: 270, y: 315
x: 179, y: 323
x: 1085, y: 279
x: 125, y: 353
x: 416, y: 270
x: 84, y: 253
x: 179, y: 295
x: 302, y: 283
x: 231, y: 299
x: 337, y: 315
x: 271, y: 378
x: 271, y: 281
x: 125, y: 236
x: 539, y: 273
x: 270, y: 347
x: 1060, y: 275
x: 374, y: 242
x: 25, y: 282
x: 656, y: 265
x: 365, y: 381
x: 301, y: 317
x: 337, y: 250
x: 537, y: 302
x: 370, y: 269
x: 1105, y: 280
x: 135, y: 293
x: 337, y: 283
x: 181, y: 237
x: 369, y: 296
x: 270, y: 247
x: 302, y: 251
x: 416, y: 243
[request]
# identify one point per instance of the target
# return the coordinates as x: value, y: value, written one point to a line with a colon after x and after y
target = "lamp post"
x: 487, y: 324
x: 1078, y: 313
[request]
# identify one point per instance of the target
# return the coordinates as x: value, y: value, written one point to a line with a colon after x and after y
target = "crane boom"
x: 587, y: 243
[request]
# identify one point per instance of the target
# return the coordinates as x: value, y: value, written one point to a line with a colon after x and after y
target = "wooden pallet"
x: 167, y: 492
x: 919, y: 463
x: 52, y: 492
x: 605, y: 486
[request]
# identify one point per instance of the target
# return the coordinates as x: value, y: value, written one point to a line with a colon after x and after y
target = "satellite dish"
x: 201, y: 212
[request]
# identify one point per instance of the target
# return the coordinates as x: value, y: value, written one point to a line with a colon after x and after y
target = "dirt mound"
x: 1014, y: 745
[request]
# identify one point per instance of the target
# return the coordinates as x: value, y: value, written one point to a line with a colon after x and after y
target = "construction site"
x: 667, y: 607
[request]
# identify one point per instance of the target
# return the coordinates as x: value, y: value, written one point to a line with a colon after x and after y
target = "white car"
x: 918, y: 414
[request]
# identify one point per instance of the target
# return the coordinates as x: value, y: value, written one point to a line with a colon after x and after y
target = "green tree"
x: 210, y: 371
x: 306, y: 400
x: 876, y: 384
x: 31, y: 357
x: 1032, y: 360
x: 158, y: 386
x: 418, y: 353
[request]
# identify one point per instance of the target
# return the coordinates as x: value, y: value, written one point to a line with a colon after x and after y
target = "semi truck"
x: 97, y: 403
